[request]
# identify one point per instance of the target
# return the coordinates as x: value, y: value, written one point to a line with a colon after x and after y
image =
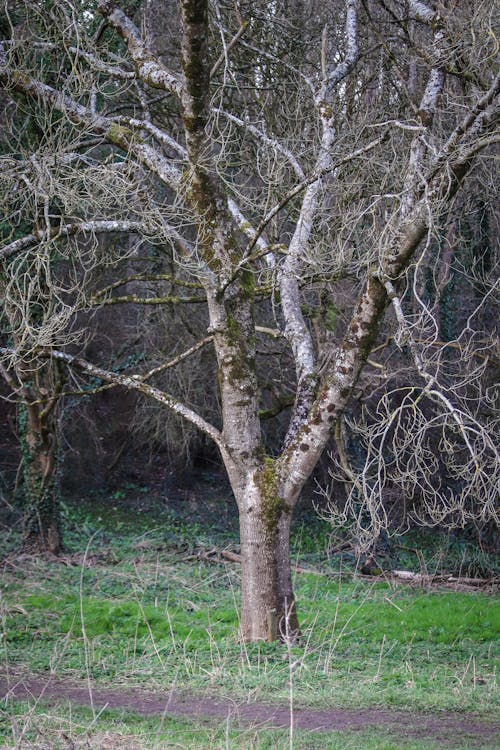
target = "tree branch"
x: 134, y: 299
x: 176, y: 360
x: 134, y: 383
x: 69, y: 230
x: 352, y: 53
x: 148, y: 68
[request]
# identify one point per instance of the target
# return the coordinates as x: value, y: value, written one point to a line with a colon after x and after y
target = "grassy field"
x: 130, y: 606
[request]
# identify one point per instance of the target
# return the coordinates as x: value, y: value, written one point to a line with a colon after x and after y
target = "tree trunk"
x: 268, y: 603
x: 41, y: 523
x: 259, y: 586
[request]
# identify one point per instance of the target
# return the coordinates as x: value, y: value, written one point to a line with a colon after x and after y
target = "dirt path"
x: 443, y: 728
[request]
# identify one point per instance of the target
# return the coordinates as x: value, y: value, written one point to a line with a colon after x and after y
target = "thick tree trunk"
x: 259, y: 585
x: 41, y: 523
x: 268, y: 603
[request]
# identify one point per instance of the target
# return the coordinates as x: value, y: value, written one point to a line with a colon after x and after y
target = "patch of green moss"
x: 241, y: 361
x: 120, y: 135
x: 272, y: 504
x: 248, y: 283
x: 233, y: 329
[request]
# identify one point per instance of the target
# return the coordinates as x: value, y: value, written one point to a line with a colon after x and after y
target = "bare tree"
x: 42, y: 291
x: 279, y: 171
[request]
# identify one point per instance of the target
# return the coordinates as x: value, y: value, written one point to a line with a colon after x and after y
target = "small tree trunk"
x: 41, y: 524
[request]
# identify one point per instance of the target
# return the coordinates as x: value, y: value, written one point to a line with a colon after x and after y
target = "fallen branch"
x: 231, y: 556
x: 408, y: 575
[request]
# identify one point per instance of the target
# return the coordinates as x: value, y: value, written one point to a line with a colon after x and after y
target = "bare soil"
x: 445, y: 728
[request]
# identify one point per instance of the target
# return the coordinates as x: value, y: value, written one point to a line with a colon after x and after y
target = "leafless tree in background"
x: 292, y: 169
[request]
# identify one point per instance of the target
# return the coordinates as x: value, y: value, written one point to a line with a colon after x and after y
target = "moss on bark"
x: 272, y: 504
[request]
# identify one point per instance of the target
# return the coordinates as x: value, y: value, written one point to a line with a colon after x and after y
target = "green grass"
x: 132, y: 611
x: 426, y: 650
